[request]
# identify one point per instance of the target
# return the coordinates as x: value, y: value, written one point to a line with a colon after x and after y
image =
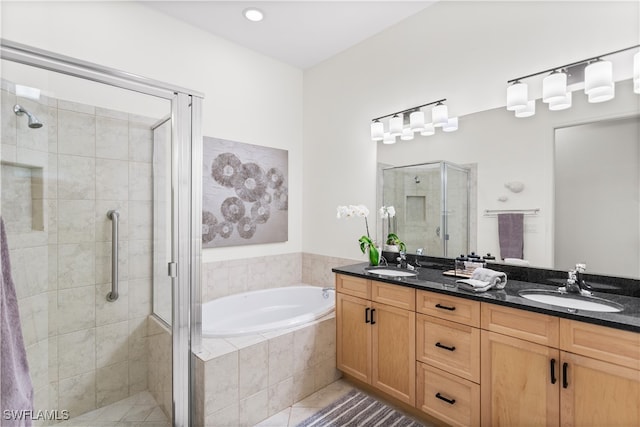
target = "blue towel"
x: 16, y: 388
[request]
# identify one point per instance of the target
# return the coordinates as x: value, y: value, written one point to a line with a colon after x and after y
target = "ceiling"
x: 300, y: 33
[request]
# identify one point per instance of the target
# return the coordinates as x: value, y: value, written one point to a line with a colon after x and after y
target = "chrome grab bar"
x: 114, y: 216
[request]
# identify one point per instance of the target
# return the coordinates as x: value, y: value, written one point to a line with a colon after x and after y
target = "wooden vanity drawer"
x: 449, y: 308
x: 450, y: 346
x: 447, y: 397
x: 394, y: 295
x: 527, y: 325
x: 600, y: 342
x: 354, y: 286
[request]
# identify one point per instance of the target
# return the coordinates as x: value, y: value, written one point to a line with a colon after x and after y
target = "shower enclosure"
x: 98, y: 189
x: 432, y: 203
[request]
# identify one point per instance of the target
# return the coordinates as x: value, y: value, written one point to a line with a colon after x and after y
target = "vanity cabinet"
x: 375, y: 339
x: 541, y: 370
x: 448, y: 358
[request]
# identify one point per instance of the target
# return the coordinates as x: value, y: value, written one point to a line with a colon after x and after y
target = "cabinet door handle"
x: 444, y: 307
x: 366, y: 315
x: 452, y: 348
x: 553, y: 371
x: 373, y: 311
x: 565, y: 380
x: 449, y: 401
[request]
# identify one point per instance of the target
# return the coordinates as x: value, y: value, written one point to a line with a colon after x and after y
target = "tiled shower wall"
x: 83, y: 351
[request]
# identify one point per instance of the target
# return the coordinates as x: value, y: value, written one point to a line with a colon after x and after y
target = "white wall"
x: 462, y: 51
x: 237, y: 82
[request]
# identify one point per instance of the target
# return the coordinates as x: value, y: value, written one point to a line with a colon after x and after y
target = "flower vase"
x: 374, y: 255
x: 391, y: 248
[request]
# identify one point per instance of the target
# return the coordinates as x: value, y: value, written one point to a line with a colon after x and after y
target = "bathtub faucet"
x: 325, y: 291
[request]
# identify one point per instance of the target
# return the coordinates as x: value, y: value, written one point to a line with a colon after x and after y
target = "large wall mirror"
x: 580, y: 175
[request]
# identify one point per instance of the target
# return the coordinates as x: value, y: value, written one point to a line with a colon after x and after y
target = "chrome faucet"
x: 402, y: 260
x: 575, y: 282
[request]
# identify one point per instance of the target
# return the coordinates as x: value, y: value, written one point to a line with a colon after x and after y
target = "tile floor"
x: 139, y: 410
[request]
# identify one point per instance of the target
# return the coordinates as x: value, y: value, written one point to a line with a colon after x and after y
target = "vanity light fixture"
x: 598, y: 84
x: 407, y: 122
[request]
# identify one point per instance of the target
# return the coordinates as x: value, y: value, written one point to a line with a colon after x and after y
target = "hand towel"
x: 15, y: 383
x: 511, y: 235
x: 484, y: 279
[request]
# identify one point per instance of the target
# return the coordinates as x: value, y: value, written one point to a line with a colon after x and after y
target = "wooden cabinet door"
x: 353, y: 336
x: 394, y: 351
x: 517, y: 385
x: 597, y: 393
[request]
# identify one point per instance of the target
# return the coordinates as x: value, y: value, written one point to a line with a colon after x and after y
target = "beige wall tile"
x: 112, y: 137
x: 112, y: 344
x: 77, y: 394
x: 112, y: 311
x: 76, y: 310
x: 253, y: 369
x: 76, y: 265
x: 280, y: 396
x: 280, y: 358
x: 76, y: 353
x: 76, y: 177
x: 112, y: 179
x: 221, y: 382
x: 76, y: 133
x: 76, y: 221
x: 254, y: 408
x: 140, y: 181
x: 112, y: 384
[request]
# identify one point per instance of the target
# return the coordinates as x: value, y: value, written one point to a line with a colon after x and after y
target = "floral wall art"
x: 245, y: 195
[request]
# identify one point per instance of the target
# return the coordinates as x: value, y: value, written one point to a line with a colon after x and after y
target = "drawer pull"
x: 553, y: 371
x: 444, y: 307
x: 453, y: 348
x: 373, y: 310
x: 565, y: 379
x: 366, y: 315
x: 449, y: 401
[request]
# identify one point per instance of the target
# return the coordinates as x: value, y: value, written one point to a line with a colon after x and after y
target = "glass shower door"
x: 73, y: 152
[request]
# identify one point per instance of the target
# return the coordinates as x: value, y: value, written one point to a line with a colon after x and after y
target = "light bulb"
x: 451, y: 126
x: 554, y: 87
x: 388, y: 139
x: 407, y: 134
x: 429, y: 130
x: 602, y: 94
x: 416, y: 121
x: 561, y: 104
x: 517, y: 96
x: 439, y: 115
x: 598, y: 76
x: 528, y: 111
x: 395, y: 125
x: 377, y: 131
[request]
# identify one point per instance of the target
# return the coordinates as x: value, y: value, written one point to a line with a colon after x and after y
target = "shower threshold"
x: 140, y: 409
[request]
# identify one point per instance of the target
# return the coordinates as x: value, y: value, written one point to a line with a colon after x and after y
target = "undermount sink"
x: 571, y: 301
x: 388, y: 271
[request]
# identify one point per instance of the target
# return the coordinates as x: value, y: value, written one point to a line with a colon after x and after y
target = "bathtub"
x: 266, y: 310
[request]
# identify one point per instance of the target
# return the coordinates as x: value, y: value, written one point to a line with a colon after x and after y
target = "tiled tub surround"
x: 243, y: 380
x: 83, y: 352
x: 223, y: 278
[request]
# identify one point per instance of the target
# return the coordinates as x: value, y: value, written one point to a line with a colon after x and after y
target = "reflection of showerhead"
x: 416, y: 179
x: 34, y: 123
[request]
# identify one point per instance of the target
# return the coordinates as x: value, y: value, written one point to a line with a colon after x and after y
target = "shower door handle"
x: 114, y: 216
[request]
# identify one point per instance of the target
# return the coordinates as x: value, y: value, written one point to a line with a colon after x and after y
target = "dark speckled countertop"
x: 433, y: 280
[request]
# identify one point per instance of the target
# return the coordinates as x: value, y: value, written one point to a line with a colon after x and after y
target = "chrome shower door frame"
x: 186, y: 189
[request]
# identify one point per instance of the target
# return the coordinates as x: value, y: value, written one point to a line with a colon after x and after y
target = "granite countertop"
x: 433, y: 280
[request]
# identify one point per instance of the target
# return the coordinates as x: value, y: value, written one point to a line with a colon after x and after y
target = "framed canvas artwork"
x: 245, y: 194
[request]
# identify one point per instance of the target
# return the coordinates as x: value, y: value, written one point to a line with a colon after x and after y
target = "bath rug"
x: 356, y: 409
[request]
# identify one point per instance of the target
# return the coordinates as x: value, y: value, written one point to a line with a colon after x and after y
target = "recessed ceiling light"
x: 253, y: 14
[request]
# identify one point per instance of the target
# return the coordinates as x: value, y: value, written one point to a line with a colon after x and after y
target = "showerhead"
x: 34, y: 123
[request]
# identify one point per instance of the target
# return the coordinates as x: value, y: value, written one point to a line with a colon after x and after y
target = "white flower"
x: 387, y: 212
x: 343, y: 211
x: 361, y: 210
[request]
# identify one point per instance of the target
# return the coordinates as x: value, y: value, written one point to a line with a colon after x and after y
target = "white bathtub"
x: 265, y: 310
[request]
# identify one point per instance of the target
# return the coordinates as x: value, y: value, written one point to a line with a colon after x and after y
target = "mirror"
x: 432, y: 204
x: 506, y: 149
